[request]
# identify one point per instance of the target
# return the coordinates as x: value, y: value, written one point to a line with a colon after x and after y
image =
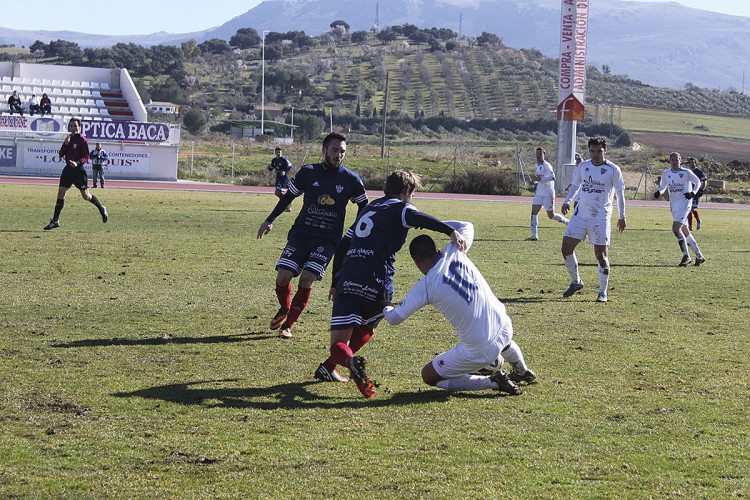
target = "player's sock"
x: 299, y: 302
x: 690, y: 220
x: 467, y: 383
x: 681, y: 242
x: 96, y: 203
x: 534, y: 226
x: 603, y: 275
x: 341, y: 353
x: 360, y: 336
x: 58, y: 208
x: 561, y: 218
x: 513, y: 355
x: 571, y: 264
x: 697, y: 216
x: 330, y: 364
x: 694, y: 246
x: 284, y: 294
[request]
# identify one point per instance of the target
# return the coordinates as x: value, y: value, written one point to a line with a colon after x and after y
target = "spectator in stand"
x: 33, y: 105
x: 14, y: 103
x: 45, y: 105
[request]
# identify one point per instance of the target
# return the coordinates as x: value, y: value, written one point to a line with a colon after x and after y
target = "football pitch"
x: 136, y: 362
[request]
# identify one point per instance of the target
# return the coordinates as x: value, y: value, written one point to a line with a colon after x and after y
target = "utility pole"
x: 385, y: 116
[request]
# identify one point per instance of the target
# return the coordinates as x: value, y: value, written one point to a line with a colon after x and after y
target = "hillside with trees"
x: 432, y: 76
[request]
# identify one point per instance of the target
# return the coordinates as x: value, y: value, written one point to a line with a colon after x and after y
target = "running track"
x: 231, y: 188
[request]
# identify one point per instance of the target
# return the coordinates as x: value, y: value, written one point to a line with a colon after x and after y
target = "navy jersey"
x: 326, y: 192
x: 379, y: 232
x: 282, y: 167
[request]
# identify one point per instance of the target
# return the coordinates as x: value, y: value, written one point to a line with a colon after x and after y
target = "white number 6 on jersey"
x: 365, y: 225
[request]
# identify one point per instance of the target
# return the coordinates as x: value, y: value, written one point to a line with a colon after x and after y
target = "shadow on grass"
x: 282, y: 396
x: 214, y: 339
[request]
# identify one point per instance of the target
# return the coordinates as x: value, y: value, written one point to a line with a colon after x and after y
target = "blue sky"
x: 143, y: 17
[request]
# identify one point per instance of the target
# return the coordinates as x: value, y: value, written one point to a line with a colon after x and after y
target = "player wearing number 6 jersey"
x: 454, y: 285
x: 363, y: 273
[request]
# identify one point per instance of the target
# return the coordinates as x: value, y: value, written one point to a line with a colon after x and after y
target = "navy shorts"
x: 350, y: 311
x: 306, y: 253
x: 74, y: 176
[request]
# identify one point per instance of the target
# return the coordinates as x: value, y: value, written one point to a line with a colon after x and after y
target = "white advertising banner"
x: 572, y: 78
x: 122, y: 163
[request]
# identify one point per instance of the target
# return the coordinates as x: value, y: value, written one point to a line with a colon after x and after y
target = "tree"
x: 489, y: 39
x: 334, y: 25
x: 194, y: 121
x: 359, y: 37
x: 215, y: 46
x: 386, y: 36
x: 245, y: 38
x: 38, y: 46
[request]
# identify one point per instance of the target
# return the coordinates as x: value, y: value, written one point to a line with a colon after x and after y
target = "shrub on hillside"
x: 492, y: 182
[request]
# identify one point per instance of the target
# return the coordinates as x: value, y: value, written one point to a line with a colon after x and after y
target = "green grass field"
x: 136, y: 362
x: 674, y: 122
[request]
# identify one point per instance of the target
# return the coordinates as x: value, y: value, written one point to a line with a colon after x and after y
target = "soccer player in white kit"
x: 545, y: 194
x: 598, y: 180
x: 454, y: 285
x: 683, y: 186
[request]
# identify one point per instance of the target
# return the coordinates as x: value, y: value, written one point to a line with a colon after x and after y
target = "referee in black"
x: 75, y: 152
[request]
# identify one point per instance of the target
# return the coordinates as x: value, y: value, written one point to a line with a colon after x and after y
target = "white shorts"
x: 547, y: 201
x: 460, y: 360
x: 598, y: 231
x: 680, y: 214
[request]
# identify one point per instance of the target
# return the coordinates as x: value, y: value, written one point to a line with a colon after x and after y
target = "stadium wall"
x: 29, y: 146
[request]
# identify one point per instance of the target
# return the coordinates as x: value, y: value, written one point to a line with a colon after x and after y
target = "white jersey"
x: 458, y: 290
x: 598, y: 185
x: 546, y: 173
x: 679, y: 183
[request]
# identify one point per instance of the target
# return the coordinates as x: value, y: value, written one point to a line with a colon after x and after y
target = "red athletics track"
x: 231, y: 188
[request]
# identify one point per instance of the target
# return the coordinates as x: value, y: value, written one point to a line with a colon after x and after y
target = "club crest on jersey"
x: 603, y: 170
x: 681, y: 175
x: 339, y: 189
x: 325, y: 199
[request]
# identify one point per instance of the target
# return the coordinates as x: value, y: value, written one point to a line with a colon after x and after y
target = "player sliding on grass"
x: 363, y: 273
x: 598, y: 180
x: 683, y: 186
x: 454, y: 285
x: 312, y: 240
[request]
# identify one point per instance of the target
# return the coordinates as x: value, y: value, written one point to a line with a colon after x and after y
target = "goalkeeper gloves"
x: 689, y: 195
x: 657, y: 194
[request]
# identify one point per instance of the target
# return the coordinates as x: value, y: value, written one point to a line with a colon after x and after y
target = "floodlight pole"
x: 263, y: 81
x: 292, y: 129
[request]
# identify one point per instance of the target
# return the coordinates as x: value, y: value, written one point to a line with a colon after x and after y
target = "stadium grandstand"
x: 111, y: 111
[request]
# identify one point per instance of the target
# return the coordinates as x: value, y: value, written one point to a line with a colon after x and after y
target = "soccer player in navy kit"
x: 311, y: 242
x: 363, y: 273
x: 692, y: 164
x: 282, y: 167
x: 75, y: 151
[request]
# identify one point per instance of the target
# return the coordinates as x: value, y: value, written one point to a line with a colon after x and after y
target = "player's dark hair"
x: 398, y: 180
x: 598, y: 141
x: 332, y: 136
x: 277, y: 148
x: 422, y: 248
